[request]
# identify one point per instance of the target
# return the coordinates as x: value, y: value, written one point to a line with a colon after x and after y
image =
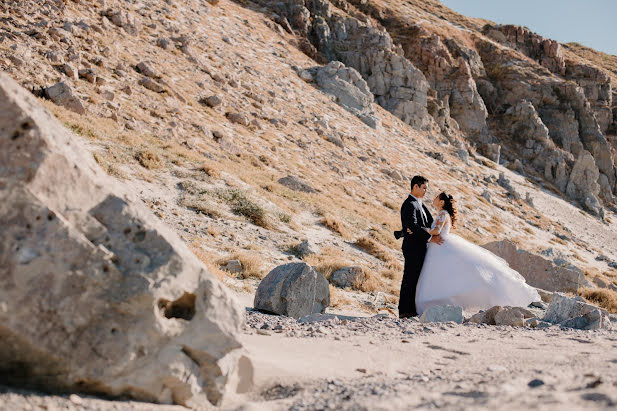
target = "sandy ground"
x: 360, y: 362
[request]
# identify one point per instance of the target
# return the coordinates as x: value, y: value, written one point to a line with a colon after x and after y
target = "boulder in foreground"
x: 97, y: 294
x: 294, y: 290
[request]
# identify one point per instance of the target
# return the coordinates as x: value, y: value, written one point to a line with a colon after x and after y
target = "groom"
x: 414, y: 217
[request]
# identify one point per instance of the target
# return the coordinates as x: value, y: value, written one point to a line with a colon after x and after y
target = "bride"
x: 461, y: 273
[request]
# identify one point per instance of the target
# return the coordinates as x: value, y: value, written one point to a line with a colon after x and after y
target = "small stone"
x: 263, y: 332
x: 296, y: 184
x: 146, y: 69
x: 306, y: 248
x: 239, y: 118
x: 211, y: 101
x: 151, y: 85
x: 535, y: 383
x: 233, y: 266
x: 76, y: 399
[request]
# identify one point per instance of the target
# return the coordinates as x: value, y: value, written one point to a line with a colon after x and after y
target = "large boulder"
x: 349, y: 89
x: 97, y: 295
x: 538, y: 271
x: 575, y: 313
x: 294, y: 290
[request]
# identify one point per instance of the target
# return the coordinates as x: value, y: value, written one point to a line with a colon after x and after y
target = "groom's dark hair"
x: 418, y: 180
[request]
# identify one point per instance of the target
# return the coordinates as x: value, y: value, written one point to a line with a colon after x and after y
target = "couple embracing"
x: 442, y: 268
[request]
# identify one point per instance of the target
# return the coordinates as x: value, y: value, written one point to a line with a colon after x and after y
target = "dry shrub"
x: 211, y: 230
x: 391, y: 205
x: 337, y: 298
x: 374, y: 248
x: 391, y: 274
x: 200, y: 205
x: 207, y: 260
x: 602, y: 297
x: 333, y: 224
x: 328, y: 261
x: 251, y: 264
x: 241, y: 204
x: 367, y: 282
x: 210, y: 168
x: 148, y: 159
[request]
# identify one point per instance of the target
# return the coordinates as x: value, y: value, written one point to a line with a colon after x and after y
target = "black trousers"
x: 414, y: 260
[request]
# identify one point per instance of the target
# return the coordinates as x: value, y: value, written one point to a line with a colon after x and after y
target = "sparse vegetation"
x: 241, y: 204
x: 335, y: 225
x: 602, y: 297
x: 251, y: 264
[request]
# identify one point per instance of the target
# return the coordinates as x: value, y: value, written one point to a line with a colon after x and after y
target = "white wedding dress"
x: 461, y: 273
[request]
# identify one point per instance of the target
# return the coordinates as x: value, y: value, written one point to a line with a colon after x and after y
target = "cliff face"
x: 487, y: 84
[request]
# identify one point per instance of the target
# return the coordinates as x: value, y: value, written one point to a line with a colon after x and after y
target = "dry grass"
x: 372, y: 247
x: 328, y: 261
x: 337, y: 298
x: 210, y: 168
x: 200, y: 205
x: 148, y: 159
x: 251, y: 264
x: 367, y: 282
x: 335, y: 225
x: 241, y: 204
x: 602, y: 297
x: 207, y: 260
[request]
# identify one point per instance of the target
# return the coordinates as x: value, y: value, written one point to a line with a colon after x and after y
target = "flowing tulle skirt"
x: 464, y: 274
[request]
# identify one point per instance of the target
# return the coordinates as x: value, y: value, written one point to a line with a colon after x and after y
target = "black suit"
x: 414, y: 250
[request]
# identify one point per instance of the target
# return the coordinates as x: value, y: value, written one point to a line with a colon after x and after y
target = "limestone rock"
x: 63, y: 95
x: 101, y: 296
x: 239, y: 118
x: 233, y: 266
x: 296, y: 184
x: 349, y: 89
x: 294, y: 290
x: 575, y: 313
x: 512, y: 316
x: 583, y: 185
x: 146, y: 69
x: 347, y: 277
x: 152, y: 85
x: 307, y: 247
x: 442, y: 313
x: 538, y: 271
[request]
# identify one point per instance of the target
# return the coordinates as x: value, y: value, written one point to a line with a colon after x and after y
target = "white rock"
x: 442, y: 313
x: 107, y: 294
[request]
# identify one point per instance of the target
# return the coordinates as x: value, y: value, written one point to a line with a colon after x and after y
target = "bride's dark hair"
x: 449, y: 204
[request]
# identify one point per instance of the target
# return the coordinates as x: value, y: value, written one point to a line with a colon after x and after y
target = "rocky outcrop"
x: 294, y: 290
x: 583, y: 184
x: 97, y: 294
x: 538, y: 271
x: 349, y: 89
x: 597, y: 87
x: 548, y: 53
x: 397, y: 85
x: 448, y: 69
x: 575, y: 313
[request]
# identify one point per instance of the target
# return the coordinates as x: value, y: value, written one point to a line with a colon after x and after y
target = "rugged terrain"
x: 201, y: 108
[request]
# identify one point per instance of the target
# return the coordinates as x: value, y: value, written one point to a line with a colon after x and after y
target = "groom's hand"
x: 436, y: 239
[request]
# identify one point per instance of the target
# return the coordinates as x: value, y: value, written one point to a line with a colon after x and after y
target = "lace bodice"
x: 443, y: 223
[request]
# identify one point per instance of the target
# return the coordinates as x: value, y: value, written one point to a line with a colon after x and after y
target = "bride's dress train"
x: 461, y: 273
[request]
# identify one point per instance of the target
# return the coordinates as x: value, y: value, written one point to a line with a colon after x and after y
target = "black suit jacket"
x: 411, y: 217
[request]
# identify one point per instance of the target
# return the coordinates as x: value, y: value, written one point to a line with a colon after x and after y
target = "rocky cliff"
x: 486, y: 84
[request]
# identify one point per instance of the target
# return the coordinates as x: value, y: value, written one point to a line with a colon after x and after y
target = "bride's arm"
x: 441, y: 221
